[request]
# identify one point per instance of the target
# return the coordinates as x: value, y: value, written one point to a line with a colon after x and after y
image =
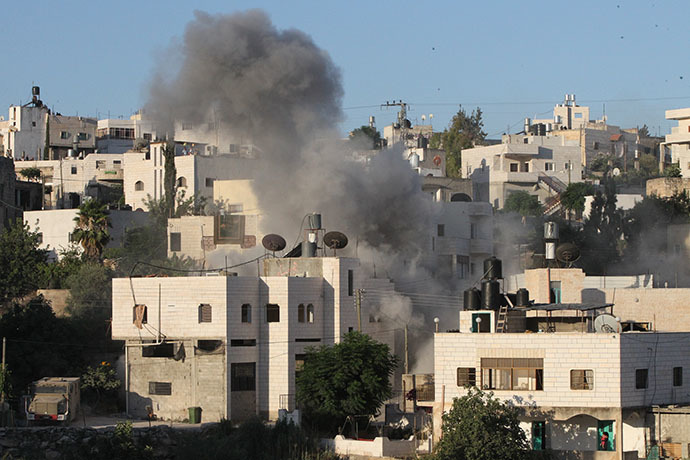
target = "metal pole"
x: 407, y: 361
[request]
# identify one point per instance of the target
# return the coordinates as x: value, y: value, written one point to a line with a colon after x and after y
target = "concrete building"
x: 68, y: 181
x: 9, y: 211
x: 196, y: 172
x: 234, y: 230
x: 56, y: 226
x: 678, y: 142
x: 540, y: 165
x: 232, y: 344
x: 118, y: 136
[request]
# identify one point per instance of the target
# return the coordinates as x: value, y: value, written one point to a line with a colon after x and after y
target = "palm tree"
x: 92, y: 228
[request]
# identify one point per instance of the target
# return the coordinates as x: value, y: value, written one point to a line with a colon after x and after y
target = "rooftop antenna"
x: 402, y: 122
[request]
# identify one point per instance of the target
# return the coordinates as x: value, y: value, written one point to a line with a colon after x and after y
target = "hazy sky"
x: 512, y: 58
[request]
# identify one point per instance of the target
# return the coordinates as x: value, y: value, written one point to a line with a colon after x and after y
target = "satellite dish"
x: 423, y: 117
x: 335, y: 240
x: 273, y: 242
x: 616, y: 172
x: 567, y: 253
x: 607, y: 324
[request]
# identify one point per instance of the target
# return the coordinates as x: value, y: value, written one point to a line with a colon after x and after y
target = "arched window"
x: 310, y: 313
x: 138, y: 186
x: 300, y: 313
x: 246, y: 313
x: 181, y: 182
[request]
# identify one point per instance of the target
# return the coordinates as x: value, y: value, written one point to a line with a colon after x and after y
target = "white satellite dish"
x: 423, y: 117
x: 607, y: 324
x: 616, y: 172
x: 431, y: 115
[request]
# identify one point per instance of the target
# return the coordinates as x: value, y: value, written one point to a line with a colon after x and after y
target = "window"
x: 555, y: 293
x: 350, y: 282
x: 548, y: 166
x: 163, y: 350
x: 147, y: 155
x: 578, y: 115
x: 138, y: 186
x: 441, y: 230
x: 272, y: 313
x: 229, y: 229
x: 246, y: 313
x: 513, y: 374
x: 299, y: 362
x: 513, y: 167
x: 235, y: 208
x: 677, y: 376
x: 467, y: 376
x: 73, y: 169
x: 205, y: 313
x: 160, y: 388
x: 209, y: 346
x: 310, y: 313
x: 209, y: 182
x: 242, y: 376
x: 581, y: 379
x: 310, y: 339
x: 605, y: 435
x: 187, y: 126
x: 481, y: 322
x: 462, y: 266
x: 139, y: 314
x: 64, y: 135
x: 300, y: 313
x: 175, y: 241
x: 33, y: 123
x: 148, y: 137
x: 473, y: 230
x: 100, y: 164
x: 243, y: 342
x: 39, y: 238
x: 525, y: 140
x: 181, y: 182
x: 83, y: 136
x: 524, y: 167
x: 538, y: 435
x: 641, y: 378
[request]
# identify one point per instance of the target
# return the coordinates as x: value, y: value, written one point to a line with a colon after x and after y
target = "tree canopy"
x: 523, y: 203
x: 91, y: 229
x: 21, y: 261
x: 465, y: 131
x: 481, y: 427
x: 573, y: 199
x: 368, y: 136
x: 350, y: 378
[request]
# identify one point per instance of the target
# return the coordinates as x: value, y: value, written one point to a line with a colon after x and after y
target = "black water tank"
x: 491, y: 295
x: 473, y: 299
x: 522, y: 298
x: 493, y: 268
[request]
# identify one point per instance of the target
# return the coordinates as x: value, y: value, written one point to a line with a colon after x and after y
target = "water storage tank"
x: 550, y: 231
x: 491, y: 295
x: 472, y: 299
x: 314, y: 221
x: 522, y: 298
x: 493, y: 268
x: 414, y: 160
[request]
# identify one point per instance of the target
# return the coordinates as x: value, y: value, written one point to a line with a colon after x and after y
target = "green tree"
x: 465, y: 131
x: 101, y: 381
x: 603, y: 230
x: 31, y: 173
x: 523, y: 203
x: 573, y: 199
x: 92, y: 228
x: 649, y: 166
x: 481, y: 427
x: 169, y: 179
x: 644, y: 131
x: 366, y: 135
x: 672, y: 170
x: 20, y: 261
x: 350, y: 378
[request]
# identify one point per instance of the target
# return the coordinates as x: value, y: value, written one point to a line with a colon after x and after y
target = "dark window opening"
x: 73, y: 169
x: 272, y: 313
x: 246, y: 313
x: 209, y: 181
x: 209, y: 345
x: 242, y: 376
x: 205, y: 311
x: 160, y: 388
x: 310, y: 340
x: 175, y: 242
x: 582, y: 379
x: 641, y: 378
x: 229, y: 229
x: 164, y: 350
x: 243, y: 342
x: 538, y: 435
x: 467, y: 376
x: 139, y: 314
x: 350, y: 282
x: 300, y: 313
x: 441, y: 230
x: 677, y: 376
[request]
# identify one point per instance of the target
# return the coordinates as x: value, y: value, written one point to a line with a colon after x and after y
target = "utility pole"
x: 402, y: 117
x: 358, y: 306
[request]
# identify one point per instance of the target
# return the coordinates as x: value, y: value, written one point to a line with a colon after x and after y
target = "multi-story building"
x: 232, y: 344
x: 67, y: 181
x: 196, y: 171
x: 678, y: 142
x: 115, y: 135
x: 540, y: 165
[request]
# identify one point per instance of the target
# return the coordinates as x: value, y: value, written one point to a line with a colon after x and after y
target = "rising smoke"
x: 276, y: 89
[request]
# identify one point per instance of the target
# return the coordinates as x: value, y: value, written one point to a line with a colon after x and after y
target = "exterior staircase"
x: 552, y: 185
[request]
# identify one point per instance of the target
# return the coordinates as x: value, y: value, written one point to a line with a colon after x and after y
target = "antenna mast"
x: 402, y: 123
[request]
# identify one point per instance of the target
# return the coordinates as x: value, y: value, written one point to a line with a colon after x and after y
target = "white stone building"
x: 118, y: 136
x: 57, y: 225
x: 678, y: 142
x: 540, y: 165
x: 232, y: 344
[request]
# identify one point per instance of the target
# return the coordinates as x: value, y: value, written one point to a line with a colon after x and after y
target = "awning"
x: 616, y: 137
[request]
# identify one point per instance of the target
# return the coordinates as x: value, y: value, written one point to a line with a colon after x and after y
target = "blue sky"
x: 513, y: 59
